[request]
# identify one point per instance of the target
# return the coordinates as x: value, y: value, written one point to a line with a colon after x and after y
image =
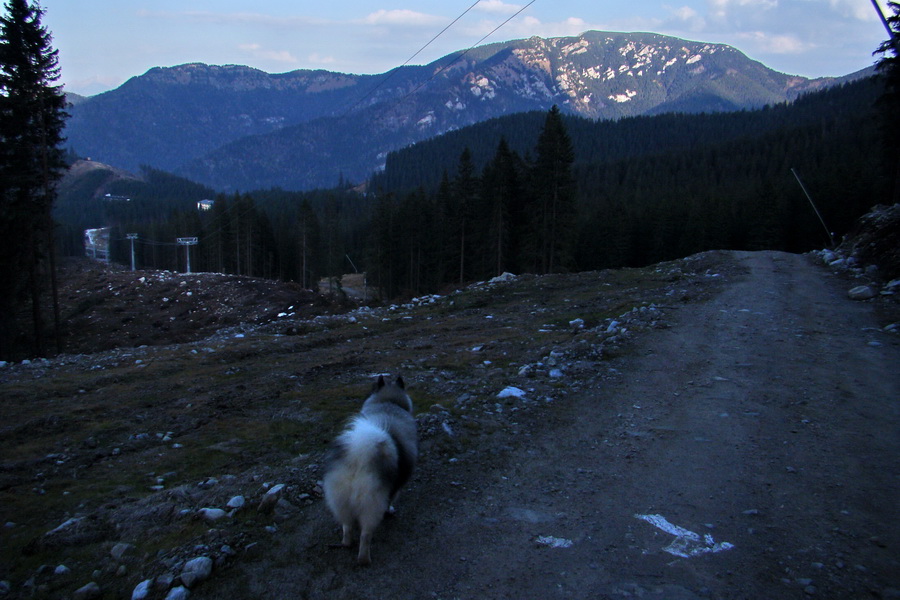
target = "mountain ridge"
x: 236, y: 127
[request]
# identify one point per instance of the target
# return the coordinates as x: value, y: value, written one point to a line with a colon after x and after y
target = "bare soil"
x: 724, y: 426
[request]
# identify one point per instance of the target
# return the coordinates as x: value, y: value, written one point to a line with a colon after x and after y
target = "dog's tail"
x: 360, y: 478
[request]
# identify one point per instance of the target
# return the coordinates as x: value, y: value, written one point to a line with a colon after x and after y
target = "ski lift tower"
x: 187, y: 242
x: 132, y: 237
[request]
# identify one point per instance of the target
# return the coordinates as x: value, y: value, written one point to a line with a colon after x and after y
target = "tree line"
x: 514, y: 215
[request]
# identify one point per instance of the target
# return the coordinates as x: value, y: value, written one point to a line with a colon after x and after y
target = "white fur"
x: 353, y: 490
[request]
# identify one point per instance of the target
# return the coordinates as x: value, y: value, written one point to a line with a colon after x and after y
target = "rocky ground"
x: 723, y: 426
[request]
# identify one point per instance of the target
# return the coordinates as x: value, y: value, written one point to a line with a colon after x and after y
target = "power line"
x: 395, y: 70
x: 461, y: 56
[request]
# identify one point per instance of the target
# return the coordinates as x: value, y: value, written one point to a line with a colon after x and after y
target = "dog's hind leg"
x: 365, y: 548
x: 347, y: 539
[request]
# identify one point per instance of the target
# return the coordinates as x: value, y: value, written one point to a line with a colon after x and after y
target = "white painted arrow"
x: 686, y: 543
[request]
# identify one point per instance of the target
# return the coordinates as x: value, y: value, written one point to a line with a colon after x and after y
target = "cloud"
x: 290, y: 21
x: 403, y: 17
x: 316, y: 59
x: 257, y: 51
x: 497, y: 7
x: 862, y: 11
x: 775, y: 44
x: 720, y: 9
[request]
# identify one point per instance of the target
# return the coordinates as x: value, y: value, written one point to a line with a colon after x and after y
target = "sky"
x: 103, y: 43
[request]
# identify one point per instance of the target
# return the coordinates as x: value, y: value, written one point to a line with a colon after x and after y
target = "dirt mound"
x: 105, y: 306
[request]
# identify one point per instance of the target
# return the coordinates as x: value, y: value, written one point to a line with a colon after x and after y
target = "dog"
x: 369, y: 462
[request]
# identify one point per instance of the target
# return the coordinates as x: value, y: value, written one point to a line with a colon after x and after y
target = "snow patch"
x: 628, y: 95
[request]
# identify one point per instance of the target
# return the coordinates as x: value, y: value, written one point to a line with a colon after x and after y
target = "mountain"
x: 235, y: 127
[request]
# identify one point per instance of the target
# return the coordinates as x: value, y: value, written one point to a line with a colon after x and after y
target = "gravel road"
x: 748, y: 451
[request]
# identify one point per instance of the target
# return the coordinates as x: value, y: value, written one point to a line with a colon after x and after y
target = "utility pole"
x: 132, y: 237
x: 187, y: 242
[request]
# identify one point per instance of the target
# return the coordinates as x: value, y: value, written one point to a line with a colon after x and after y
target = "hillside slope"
x: 113, y: 462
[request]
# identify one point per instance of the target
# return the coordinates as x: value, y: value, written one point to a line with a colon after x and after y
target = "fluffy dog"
x: 370, y: 461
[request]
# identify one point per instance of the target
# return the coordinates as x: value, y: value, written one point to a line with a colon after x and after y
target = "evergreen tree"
x: 308, y: 245
x: 465, y: 197
x: 889, y: 103
x: 554, y: 190
x: 502, y: 190
x: 32, y: 115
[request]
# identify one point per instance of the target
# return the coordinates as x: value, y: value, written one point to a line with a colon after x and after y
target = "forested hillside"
x: 533, y: 192
x: 654, y: 188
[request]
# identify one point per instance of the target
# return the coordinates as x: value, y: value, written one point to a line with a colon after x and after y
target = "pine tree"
x: 554, y: 189
x: 889, y: 103
x: 32, y: 115
x: 465, y: 196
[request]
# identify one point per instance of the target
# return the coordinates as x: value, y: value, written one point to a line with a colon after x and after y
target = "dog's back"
x: 369, y: 463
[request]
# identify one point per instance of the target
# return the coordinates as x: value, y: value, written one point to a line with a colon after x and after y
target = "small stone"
x: 61, y: 570
x: 211, y: 515
x: 142, y: 590
x: 87, y: 592
x: 178, y: 593
x: 119, y: 551
x: 236, y: 502
x: 862, y: 292
x: 196, y: 570
x: 164, y: 581
x: 270, y: 499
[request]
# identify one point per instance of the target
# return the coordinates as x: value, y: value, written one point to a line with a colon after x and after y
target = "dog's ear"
x: 400, y: 383
x: 380, y: 383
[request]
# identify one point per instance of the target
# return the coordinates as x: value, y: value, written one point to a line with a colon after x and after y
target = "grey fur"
x: 370, y: 462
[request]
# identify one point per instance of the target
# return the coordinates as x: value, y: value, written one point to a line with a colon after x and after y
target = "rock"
x: 178, y: 593
x: 577, y: 323
x: 119, y: 551
x: 270, y: 499
x: 164, y: 581
x: 862, y: 292
x: 86, y: 592
x: 142, y: 590
x: 5, y: 586
x: 511, y: 392
x: 236, y: 502
x: 61, y: 570
x: 196, y: 570
x: 211, y: 515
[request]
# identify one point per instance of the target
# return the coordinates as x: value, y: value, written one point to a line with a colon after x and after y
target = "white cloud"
x: 497, y: 7
x: 720, y: 9
x: 857, y: 9
x: 528, y: 26
x: 317, y: 59
x: 233, y: 18
x: 403, y: 17
x: 684, y: 17
x: 768, y: 43
x: 279, y: 56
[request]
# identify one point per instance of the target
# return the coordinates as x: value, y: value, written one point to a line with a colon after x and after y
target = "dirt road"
x: 749, y: 451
